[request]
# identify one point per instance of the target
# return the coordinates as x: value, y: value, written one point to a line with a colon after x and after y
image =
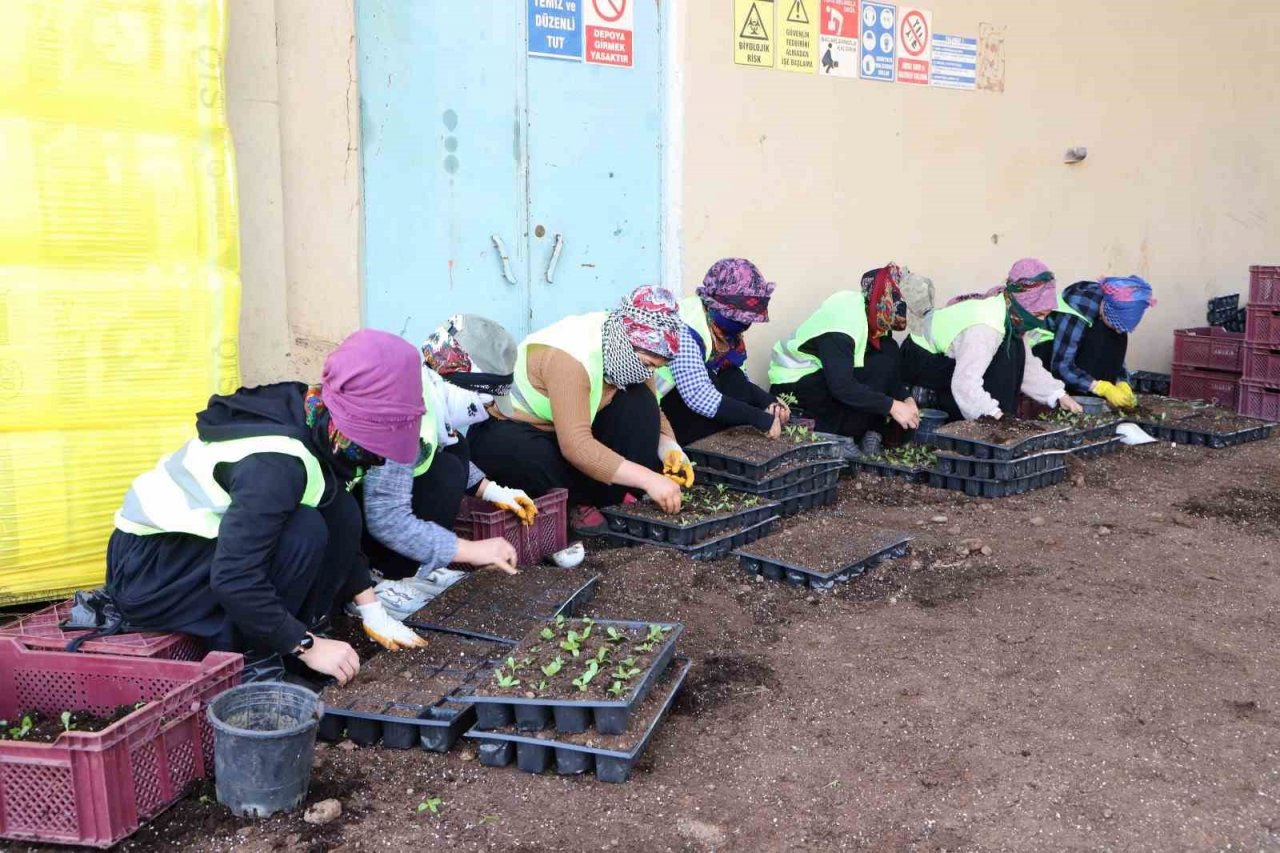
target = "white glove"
x: 384, y: 630
x: 462, y: 407
x: 512, y: 500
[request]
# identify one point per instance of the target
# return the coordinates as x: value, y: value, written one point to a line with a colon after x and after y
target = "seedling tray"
x: 793, y: 575
x: 981, y: 488
x: 432, y: 718
x: 815, y: 452
x: 1097, y: 448
x: 1095, y: 433
x: 1170, y: 431
x: 504, y: 608
x: 1058, y: 439
x: 1149, y: 382
x: 713, y: 549
x: 661, y: 531
x: 891, y: 472
x: 809, y: 500
x: 804, y: 478
x: 535, y: 754
x: 609, y: 716
x: 988, y: 469
x: 41, y: 630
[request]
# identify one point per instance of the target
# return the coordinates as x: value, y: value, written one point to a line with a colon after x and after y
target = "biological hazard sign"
x: 753, y: 32
x: 838, y: 38
x: 915, y: 45
x: 798, y: 46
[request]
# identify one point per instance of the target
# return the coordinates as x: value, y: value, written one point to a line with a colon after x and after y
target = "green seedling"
x: 572, y: 643
x: 643, y: 648
x: 487, y: 819
x: 586, y: 628
x: 601, y: 654
x: 790, y: 399
x: 552, y: 669
x: 432, y: 805
x: 626, y: 672
x: 628, y: 661
x: 588, y: 674
x: 560, y: 620
x: 505, y: 680
x: 617, y: 688
x: 614, y: 635
x: 67, y: 723
x: 511, y: 664
x: 656, y: 632
x: 542, y: 685
x: 547, y: 634
x: 20, y: 731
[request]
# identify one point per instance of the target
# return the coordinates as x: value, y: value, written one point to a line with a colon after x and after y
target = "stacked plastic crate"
x: 1207, y: 364
x: 1260, y: 387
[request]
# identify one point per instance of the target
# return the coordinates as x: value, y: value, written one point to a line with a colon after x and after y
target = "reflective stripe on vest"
x: 694, y: 316
x: 1035, y: 337
x: 429, y: 432
x: 580, y: 337
x: 844, y: 311
x: 180, y: 495
x: 944, y: 324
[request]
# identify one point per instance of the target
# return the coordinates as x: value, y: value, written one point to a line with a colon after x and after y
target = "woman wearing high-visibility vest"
x: 704, y: 389
x: 583, y: 412
x: 247, y: 536
x: 842, y: 364
x: 973, y: 351
x: 409, y: 510
x: 1086, y: 337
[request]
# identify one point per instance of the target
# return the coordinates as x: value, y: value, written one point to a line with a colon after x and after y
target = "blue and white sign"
x: 955, y: 62
x: 555, y: 29
x: 879, y: 42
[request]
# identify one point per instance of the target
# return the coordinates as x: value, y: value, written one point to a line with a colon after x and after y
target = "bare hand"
x: 665, y: 493
x: 782, y: 409
x: 906, y: 416
x: 496, y: 553
x: 1069, y: 403
x: 333, y: 658
x: 775, y: 431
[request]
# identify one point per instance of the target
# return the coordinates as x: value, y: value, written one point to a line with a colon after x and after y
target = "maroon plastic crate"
x: 40, y: 630
x: 1259, y: 401
x: 1192, y: 384
x: 1262, y: 365
x: 1262, y: 325
x: 548, y: 534
x: 95, y: 788
x: 1264, y: 286
x: 1209, y: 348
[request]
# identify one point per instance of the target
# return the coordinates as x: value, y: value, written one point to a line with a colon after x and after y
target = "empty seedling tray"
x: 776, y: 484
x: 712, y: 549
x: 1051, y: 439
x: 809, y: 500
x: 610, y: 757
x: 1097, y: 448
x: 1150, y: 382
x: 570, y: 716
x: 890, y: 471
x: 712, y: 460
x: 1171, y: 431
x: 989, y: 469
x: 778, y: 570
x: 660, y: 530
x: 503, y: 608
x: 976, y: 487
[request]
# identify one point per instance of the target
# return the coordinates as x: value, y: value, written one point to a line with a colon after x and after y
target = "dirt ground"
x: 1104, y: 680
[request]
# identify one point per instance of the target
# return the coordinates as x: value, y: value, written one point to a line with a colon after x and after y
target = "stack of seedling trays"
x: 494, y: 606
x: 821, y: 553
x: 578, y: 695
x: 1150, y: 382
x: 713, y: 520
x: 1197, y: 423
x: 800, y: 469
x: 995, y: 459
x: 910, y: 463
x: 1089, y: 435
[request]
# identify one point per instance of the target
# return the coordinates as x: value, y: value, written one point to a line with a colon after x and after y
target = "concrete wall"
x: 818, y: 179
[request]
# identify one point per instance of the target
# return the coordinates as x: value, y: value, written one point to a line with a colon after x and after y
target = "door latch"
x: 555, y: 258
x: 506, y: 259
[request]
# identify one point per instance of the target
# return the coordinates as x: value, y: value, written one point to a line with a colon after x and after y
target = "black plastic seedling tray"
x: 466, y: 612
x: 534, y: 754
x: 793, y: 575
x: 980, y: 488
x: 1097, y: 432
x: 1058, y: 439
x: 1150, y: 382
x: 661, y: 531
x: 803, y: 478
x: 890, y: 471
x: 712, y: 549
x: 1169, y: 431
x: 815, y: 452
x: 809, y: 500
x: 989, y: 469
x: 1097, y: 448
x: 609, y: 716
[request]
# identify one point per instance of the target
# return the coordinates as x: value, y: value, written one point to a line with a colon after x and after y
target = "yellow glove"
x: 1130, y: 400
x: 677, y: 467
x: 1113, y: 395
x: 513, y: 501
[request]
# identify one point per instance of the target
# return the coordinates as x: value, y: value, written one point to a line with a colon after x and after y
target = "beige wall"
x: 818, y: 179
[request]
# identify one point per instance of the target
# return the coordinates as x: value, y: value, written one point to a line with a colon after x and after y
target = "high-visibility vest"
x: 1035, y: 337
x: 580, y: 337
x: 844, y: 311
x: 694, y: 316
x: 180, y: 495
x: 944, y: 324
x: 429, y: 432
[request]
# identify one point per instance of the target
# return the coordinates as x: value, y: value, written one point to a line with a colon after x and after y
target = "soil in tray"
x: 1218, y: 421
x: 1004, y: 432
x: 1162, y: 409
x: 823, y: 546
x: 1077, y: 420
x: 35, y: 727
x: 751, y: 445
x: 701, y: 503
x: 631, y: 650
x: 909, y: 457
x: 501, y: 592
x: 414, y: 675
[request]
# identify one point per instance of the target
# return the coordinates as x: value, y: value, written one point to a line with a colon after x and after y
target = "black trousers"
x: 525, y: 457
x: 437, y: 496
x: 1003, y: 379
x: 162, y: 582
x: 881, y: 372
x: 1101, y: 353
x: 689, y: 426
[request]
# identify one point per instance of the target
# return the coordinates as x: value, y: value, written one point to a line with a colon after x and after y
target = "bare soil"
x: 824, y: 544
x: 1004, y: 432
x: 1075, y: 690
x: 748, y: 444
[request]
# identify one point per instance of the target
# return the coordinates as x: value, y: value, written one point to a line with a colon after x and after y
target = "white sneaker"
x: 404, y: 597
x: 569, y: 558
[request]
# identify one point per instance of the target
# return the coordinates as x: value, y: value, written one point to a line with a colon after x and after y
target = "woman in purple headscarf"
x: 704, y: 388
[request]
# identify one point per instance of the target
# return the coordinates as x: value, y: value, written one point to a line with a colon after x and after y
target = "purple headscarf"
x: 372, y: 387
x: 735, y: 289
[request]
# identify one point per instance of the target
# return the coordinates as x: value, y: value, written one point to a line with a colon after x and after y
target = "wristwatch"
x: 304, y: 645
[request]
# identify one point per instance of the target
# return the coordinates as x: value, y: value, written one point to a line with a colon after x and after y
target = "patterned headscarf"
x: 735, y: 289
x: 1124, y: 301
x: 1029, y: 290
x: 648, y: 319
x: 886, y: 310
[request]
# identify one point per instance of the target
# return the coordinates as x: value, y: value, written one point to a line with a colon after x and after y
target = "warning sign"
x: 954, y: 62
x: 879, y: 41
x: 798, y: 47
x: 915, y: 40
x: 610, y: 32
x: 753, y: 33
x: 838, y: 39
x: 555, y: 29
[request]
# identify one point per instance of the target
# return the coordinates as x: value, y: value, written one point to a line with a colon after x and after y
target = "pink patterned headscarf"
x: 649, y: 320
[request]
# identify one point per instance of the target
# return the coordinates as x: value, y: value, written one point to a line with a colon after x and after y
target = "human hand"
x: 780, y: 407
x: 665, y: 493
x: 386, y: 631
x: 906, y: 416
x: 514, y: 501
x: 775, y: 431
x: 496, y: 553
x: 1111, y: 393
x: 333, y: 658
x: 1069, y: 403
x: 1129, y: 399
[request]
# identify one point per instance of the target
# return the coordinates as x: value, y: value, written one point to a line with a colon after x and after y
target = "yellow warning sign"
x: 753, y: 32
x: 798, y: 43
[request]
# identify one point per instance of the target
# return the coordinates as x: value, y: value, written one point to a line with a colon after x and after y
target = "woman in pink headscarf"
x: 972, y: 352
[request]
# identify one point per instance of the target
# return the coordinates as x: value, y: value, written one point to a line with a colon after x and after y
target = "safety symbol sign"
x: 879, y: 41
x: 555, y: 29
x: 838, y: 38
x: 798, y: 47
x: 915, y: 30
x: 753, y: 33
x: 610, y: 32
x: 955, y: 62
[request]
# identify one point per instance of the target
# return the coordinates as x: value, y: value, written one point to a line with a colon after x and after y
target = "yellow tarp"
x: 119, y: 265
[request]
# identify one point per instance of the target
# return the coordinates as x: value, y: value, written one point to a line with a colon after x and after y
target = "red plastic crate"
x: 548, y: 534
x: 1209, y: 348
x: 1191, y: 384
x: 95, y: 788
x: 1262, y: 325
x: 1264, y: 286
x: 1262, y: 365
x: 40, y: 631
x: 1259, y: 401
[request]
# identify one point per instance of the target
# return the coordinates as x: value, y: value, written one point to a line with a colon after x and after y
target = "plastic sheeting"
x: 119, y: 265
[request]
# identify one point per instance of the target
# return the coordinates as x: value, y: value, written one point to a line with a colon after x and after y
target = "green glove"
x: 1113, y: 395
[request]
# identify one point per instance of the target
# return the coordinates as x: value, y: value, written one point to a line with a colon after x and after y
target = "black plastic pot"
x: 930, y: 420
